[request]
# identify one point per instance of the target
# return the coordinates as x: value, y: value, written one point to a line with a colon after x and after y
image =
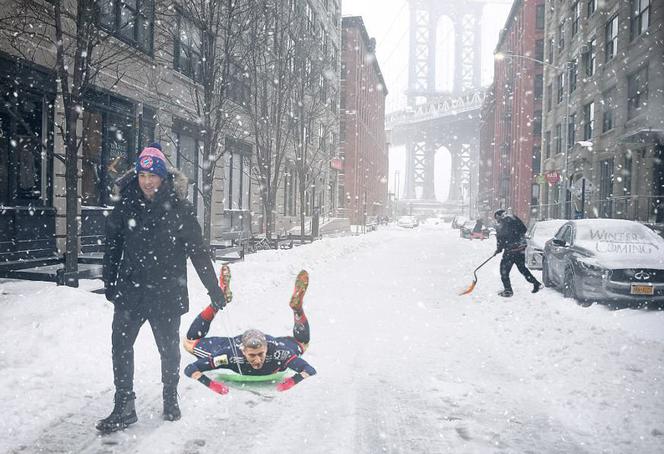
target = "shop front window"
x: 23, y: 158
x: 106, y: 154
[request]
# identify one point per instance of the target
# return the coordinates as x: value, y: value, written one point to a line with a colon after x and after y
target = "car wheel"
x: 569, y: 284
x: 546, y: 280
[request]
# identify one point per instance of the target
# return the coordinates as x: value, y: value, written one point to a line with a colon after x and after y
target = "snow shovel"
x: 471, y: 287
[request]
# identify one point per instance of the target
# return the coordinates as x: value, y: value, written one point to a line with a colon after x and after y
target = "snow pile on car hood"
x: 620, y: 243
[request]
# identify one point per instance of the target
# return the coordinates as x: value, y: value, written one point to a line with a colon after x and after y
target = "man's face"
x: 255, y: 356
x: 149, y: 184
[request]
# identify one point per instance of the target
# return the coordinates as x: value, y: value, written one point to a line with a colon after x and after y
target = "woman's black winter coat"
x: 147, y: 245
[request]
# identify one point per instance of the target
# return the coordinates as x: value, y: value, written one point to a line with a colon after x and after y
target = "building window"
x: 559, y: 138
x: 640, y: 17
x: 539, y: 17
x: 146, y: 126
x: 188, y: 150
x: 588, y: 120
x: 611, y: 38
x: 188, y: 48
x: 560, y: 86
x: 576, y: 16
x: 538, y: 86
x: 550, y: 57
x: 571, y: 130
x: 609, y: 105
x: 24, y: 126
x: 561, y: 37
x: 537, y: 160
x: 637, y: 92
x: 539, y: 49
x: 129, y: 20
x: 589, y: 58
x: 626, y: 172
x: 107, y: 148
x: 237, y: 172
x: 537, y: 123
x: 549, y: 96
x: 573, y: 70
x: 238, y: 86
x: 606, y: 188
x: 547, y: 144
x: 591, y: 7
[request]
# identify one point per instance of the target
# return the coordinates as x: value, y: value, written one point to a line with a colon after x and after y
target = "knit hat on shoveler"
x: 152, y: 160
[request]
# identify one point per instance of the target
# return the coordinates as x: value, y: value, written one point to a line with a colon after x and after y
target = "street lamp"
x: 499, y: 56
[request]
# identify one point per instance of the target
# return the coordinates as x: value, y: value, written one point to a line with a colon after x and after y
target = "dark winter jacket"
x: 510, y: 234
x: 147, y: 245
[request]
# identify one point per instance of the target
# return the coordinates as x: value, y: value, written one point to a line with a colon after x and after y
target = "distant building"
x: 604, y: 110
x: 518, y: 90
x: 363, y: 181
x: 487, y: 181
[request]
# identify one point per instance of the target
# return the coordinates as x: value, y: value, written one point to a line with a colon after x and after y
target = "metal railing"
x: 633, y: 207
x: 452, y: 105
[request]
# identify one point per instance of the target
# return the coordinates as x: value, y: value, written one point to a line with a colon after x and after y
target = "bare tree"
x: 208, y: 39
x: 71, y: 28
x: 314, y: 120
x: 270, y: 65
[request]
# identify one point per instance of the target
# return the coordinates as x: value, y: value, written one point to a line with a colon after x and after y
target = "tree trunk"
x: 301, y: 193
x: 71, y: 196
x: 208, y: 178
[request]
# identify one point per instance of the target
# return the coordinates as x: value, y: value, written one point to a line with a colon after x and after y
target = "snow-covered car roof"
x: 543, y: 231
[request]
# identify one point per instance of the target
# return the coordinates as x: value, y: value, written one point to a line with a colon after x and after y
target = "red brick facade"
x: 518, y: 89
x: 363, y: 183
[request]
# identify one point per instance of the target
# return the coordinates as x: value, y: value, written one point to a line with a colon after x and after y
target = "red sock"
x: 299, y: 317
x: 208, y: 313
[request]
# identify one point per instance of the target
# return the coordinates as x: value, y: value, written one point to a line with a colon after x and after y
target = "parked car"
x: 658, y: 228
x: 409, y: 222
x: 474, y: 229
x: 538, y: 234
x: 459, y: 222
x: 606, y: 260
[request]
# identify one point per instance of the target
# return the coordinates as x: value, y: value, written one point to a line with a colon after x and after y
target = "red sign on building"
x: 552, y: 177
x: 337, y: 164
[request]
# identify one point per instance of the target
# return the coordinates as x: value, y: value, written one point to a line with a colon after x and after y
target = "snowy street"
x: 405, y: 365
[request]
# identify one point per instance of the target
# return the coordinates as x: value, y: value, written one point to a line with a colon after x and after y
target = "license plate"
x: 642, y: 289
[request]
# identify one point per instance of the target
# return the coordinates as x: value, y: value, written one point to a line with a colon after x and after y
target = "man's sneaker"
x: 225, y: 282
x: 536, y: 287
x: 301, y: 284
x: 506, y: 293
x: 123, y: 414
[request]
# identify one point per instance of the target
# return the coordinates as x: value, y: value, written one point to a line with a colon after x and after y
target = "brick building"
x: 363, y: 183
x: 518, y: 91
x: 486, y: 183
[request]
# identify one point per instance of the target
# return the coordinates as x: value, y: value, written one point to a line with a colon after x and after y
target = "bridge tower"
x: 466, y: 18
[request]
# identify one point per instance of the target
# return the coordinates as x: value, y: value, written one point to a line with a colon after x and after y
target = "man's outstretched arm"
x: 302, y: 370
x: 195, y: 370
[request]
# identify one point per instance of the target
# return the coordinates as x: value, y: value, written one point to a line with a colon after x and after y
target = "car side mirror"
x: 559, y: 242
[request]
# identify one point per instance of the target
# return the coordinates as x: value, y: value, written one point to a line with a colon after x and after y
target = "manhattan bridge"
x: 435, y: 119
